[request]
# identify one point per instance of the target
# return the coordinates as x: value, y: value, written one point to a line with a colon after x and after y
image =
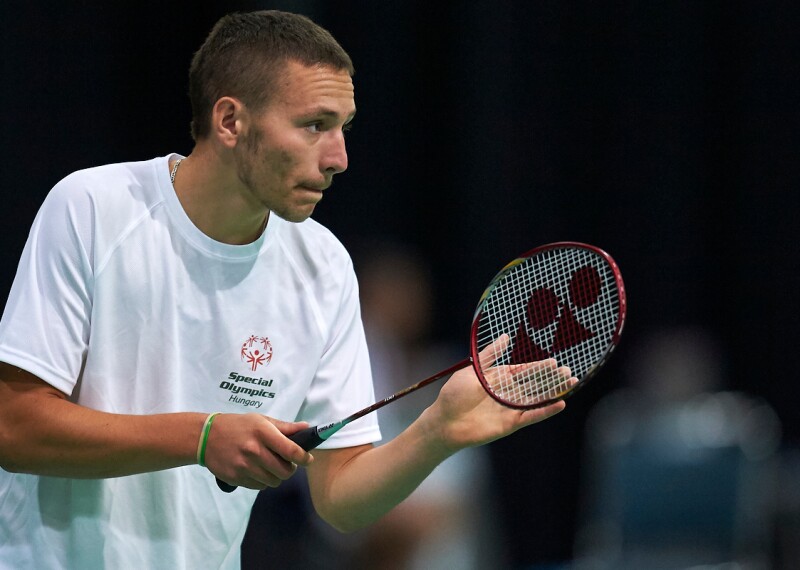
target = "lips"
x: 310, y: 194
x: 314, y: 187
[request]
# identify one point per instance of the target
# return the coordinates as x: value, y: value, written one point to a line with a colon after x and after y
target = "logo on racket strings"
x: 256, y: 351
x: 545, y: 307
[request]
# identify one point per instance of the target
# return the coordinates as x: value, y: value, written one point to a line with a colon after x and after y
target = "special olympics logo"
x: 256, y: 350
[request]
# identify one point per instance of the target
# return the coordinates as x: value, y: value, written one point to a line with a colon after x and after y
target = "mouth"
x: 310, y: 194
x: 309, y: 188
x: 315, y: 185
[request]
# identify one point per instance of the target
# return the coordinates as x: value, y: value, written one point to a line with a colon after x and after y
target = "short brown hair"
x: 245, y: 52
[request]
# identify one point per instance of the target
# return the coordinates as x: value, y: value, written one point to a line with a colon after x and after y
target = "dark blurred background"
x: 664, y: 132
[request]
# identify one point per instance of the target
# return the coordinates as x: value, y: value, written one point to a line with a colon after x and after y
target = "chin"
x: 295, y: 216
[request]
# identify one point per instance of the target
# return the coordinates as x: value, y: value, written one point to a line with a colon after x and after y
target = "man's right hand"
x: 253, y: 451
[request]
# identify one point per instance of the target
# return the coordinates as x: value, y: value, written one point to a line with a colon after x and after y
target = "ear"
x: 228, y: 120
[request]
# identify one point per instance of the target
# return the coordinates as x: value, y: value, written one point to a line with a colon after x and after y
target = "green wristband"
x: 201, y: 447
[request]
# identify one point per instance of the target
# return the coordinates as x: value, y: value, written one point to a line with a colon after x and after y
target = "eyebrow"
x: 325, y: 112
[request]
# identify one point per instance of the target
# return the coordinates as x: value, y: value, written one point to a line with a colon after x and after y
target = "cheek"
x: 285, y: 163
x: 279, y: 164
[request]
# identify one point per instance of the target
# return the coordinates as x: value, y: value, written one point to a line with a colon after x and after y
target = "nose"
x: 334, y: 159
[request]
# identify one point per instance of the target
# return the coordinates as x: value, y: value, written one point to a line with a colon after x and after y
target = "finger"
x: 533, y: 383
x: 258, y: 474
x: 286, y: 448
x: 267, y: 469
x: 540, y: 414
x: 534, y: 398
x: 279, y: 467
x: 541, y: 379
x: 534, y: 366
x: 556, y: 388
x: 259, y: 483
x: 288, y: 428
x: 492, y: 352
x: 512, y: 376
x: 544, y: 374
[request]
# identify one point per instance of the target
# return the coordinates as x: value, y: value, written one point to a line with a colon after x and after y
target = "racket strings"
x: 559, y: 304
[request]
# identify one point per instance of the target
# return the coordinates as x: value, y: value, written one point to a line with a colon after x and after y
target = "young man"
x: 151, y: 294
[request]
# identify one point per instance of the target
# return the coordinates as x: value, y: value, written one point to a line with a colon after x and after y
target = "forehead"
x: 305, y: 87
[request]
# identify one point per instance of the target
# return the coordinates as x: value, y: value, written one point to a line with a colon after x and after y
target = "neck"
x: 211, y: 196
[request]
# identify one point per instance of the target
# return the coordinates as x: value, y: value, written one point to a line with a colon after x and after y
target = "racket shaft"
x: 404, y: 392
x: 311, y: 437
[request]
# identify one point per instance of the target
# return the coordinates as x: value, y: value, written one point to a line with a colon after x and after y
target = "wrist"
x: 435, y: 432
x: 202, y: 442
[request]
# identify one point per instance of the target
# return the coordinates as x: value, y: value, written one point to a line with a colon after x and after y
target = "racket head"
x: 563, y: 301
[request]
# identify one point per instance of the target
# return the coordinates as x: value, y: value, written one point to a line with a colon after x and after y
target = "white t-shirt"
x: 123, y: 304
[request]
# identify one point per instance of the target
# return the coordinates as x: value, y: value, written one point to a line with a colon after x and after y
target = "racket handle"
x: 307, y: 438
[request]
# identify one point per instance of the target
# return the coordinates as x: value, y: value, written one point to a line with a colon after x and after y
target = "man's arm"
x: 42, y: 432
x: 353, y: 487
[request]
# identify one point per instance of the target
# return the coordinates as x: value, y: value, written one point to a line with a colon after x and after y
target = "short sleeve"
x: 46, y: 322
x: 343, y: 381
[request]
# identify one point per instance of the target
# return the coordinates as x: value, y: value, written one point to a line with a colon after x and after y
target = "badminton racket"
x: 559, y: 305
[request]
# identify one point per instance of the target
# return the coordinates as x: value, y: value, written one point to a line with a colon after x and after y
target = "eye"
x: 314, y: 127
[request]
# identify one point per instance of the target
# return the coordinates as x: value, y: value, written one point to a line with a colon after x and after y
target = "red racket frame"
x: 617, y: 275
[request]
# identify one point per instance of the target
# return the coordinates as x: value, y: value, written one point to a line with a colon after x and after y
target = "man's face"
x: 294, y: 146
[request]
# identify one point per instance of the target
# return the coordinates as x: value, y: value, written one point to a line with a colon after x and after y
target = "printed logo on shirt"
x: 247, y: 391
x: 256, y: 351
x: 251, y: 391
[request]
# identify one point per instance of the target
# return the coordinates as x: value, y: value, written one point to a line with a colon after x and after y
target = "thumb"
x: 288, y: 428
x: 302, y: 457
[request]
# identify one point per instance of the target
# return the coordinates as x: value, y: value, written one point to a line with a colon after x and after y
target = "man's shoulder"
x: 108, y: 179
x: 112, y: 194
